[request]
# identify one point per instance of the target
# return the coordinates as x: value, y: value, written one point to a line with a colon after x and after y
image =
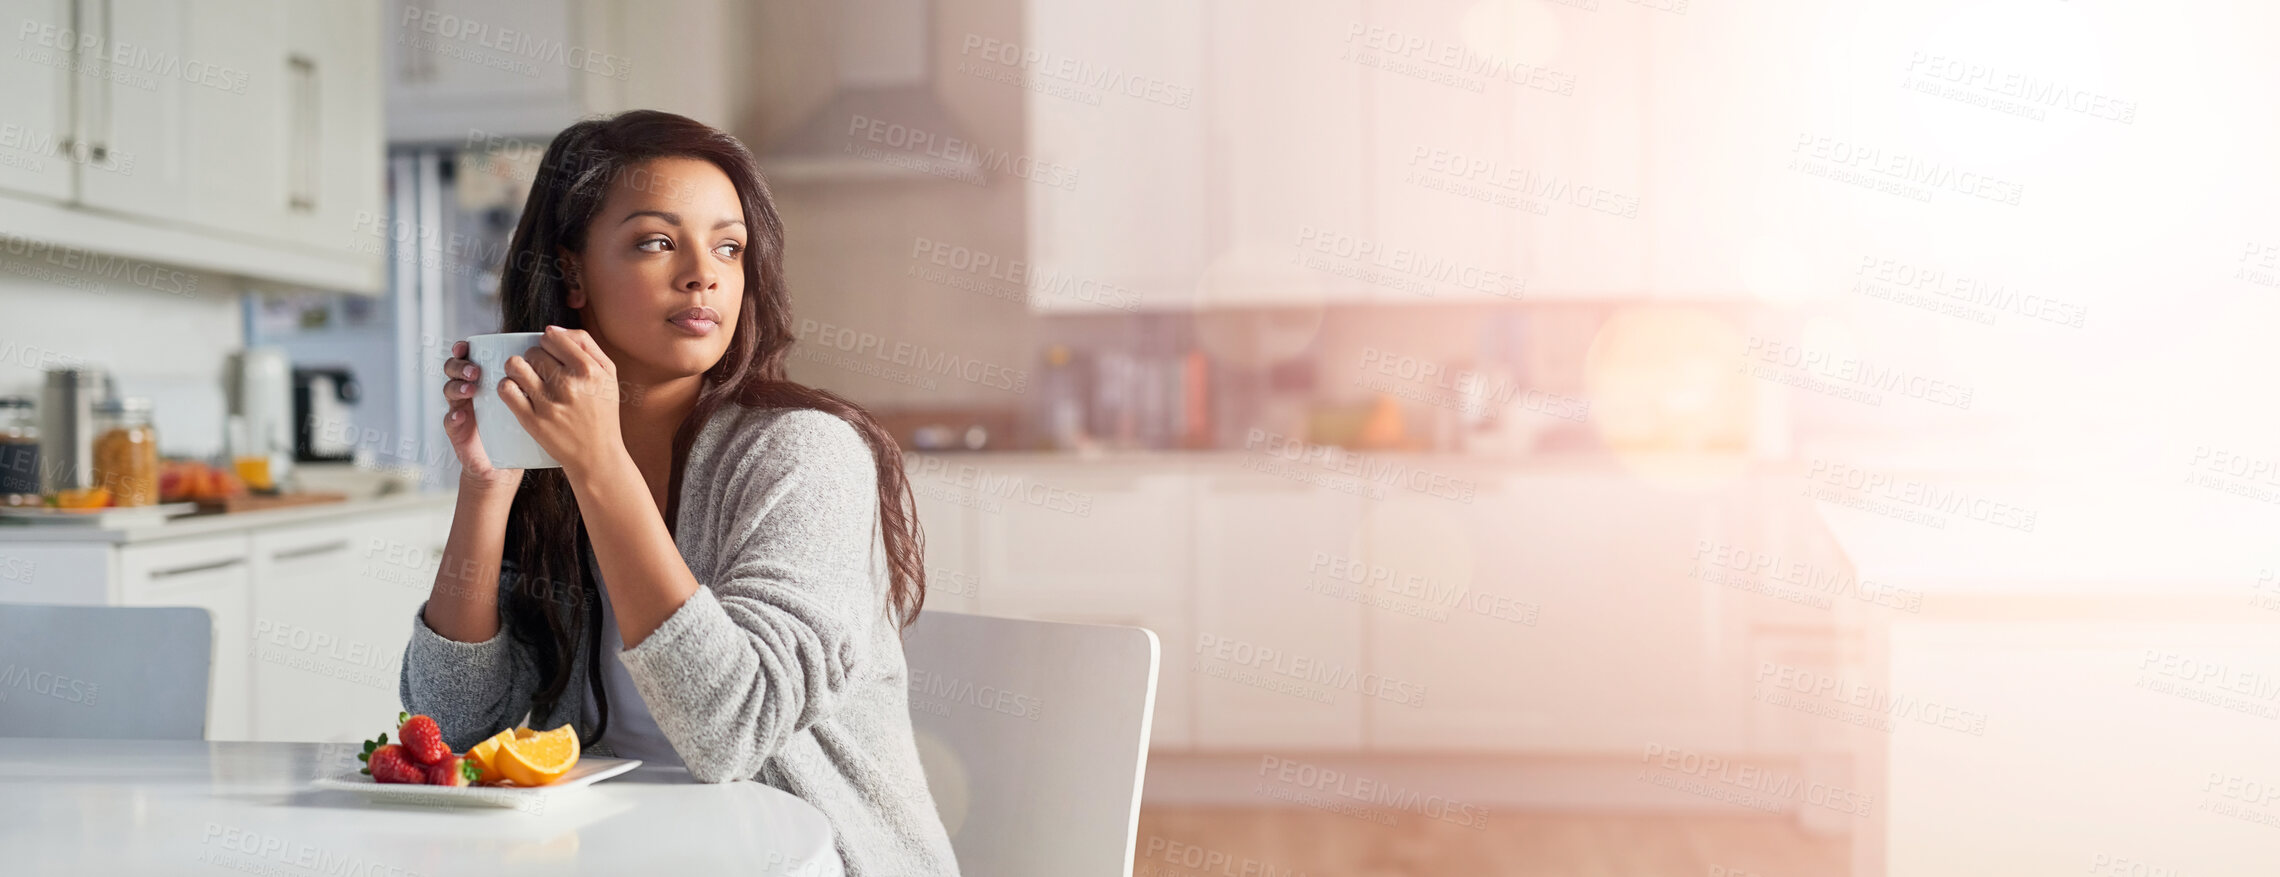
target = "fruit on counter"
x: 538, y: 759
x: 388, y: 763
x: 422, y: 738
x: 483, y: 752
x: 80, y: 498
x: 453, y: 770
x: 190, y: 480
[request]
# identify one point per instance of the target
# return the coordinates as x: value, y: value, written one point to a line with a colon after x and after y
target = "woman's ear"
x: 568, y: 261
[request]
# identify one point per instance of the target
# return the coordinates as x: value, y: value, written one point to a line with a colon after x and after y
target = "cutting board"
x: 255, y: 502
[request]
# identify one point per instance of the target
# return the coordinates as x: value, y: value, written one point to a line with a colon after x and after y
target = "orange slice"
x: 483, y: 752
x: 538, y: 759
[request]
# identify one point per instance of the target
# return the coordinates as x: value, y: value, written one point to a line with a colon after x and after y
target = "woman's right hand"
x: 459, y: 424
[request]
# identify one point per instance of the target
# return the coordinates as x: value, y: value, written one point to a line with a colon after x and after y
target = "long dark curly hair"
x: 548, y: 588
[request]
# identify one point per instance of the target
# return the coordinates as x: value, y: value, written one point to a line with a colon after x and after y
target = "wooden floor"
x: 1264, y: 842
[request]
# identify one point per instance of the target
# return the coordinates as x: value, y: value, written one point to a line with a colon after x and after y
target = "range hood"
x: 884, y: 123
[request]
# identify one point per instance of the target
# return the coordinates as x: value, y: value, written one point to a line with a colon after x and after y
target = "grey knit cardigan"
x: 784, y: 668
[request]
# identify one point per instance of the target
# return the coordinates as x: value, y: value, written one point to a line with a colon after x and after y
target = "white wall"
x: 167, y: 345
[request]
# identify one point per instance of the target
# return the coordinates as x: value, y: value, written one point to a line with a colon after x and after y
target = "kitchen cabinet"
x: 1443, y: 158
x: 1275, y: 559
x: 953, y: 561
x: 209, y: 573
x: 35, y: 109
x: 1127, y: 128
x: 1582, y: 160
x: 1286, y: 147
x: 235, y: 136
x: 1066, y: 543
x: 134, y: 116
x: 1720, y: 208
x: 1565, y: 618
x: 334, y: 604
x: 458, y: 69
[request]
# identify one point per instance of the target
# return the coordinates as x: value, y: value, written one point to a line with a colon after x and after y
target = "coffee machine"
x: 324, y: 425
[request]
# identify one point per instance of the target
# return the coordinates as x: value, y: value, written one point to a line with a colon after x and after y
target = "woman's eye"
x: 653, y: 245
x: 731, y: 248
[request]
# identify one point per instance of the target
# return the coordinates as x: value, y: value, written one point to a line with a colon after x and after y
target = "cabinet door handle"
x: 196, y: 567
x: 311, y: 550
x: 301, y: 152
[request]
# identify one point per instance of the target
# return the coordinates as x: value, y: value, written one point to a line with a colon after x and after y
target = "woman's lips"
x: 698, y: 321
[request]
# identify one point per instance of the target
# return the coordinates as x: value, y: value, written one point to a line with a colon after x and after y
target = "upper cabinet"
x: 241, y: 137
x: 1345, y: 151
x: 35, y: 110
x: 1116, y: 188
x: 462, y: 69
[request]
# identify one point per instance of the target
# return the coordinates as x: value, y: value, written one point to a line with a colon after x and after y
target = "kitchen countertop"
x: 202, y: 525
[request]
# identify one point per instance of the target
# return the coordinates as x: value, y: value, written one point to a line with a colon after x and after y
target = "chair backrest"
x: 1034, y: 736
x: 110, y: 672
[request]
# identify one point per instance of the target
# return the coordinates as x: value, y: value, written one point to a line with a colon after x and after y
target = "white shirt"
x: 633, y: 731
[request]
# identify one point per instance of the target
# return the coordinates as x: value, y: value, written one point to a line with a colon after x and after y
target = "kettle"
x: 259, y: 383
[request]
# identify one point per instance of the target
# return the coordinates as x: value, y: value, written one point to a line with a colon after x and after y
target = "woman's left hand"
x: 566, y: 395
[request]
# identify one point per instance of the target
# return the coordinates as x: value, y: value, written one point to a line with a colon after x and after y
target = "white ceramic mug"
x: 504, y: 439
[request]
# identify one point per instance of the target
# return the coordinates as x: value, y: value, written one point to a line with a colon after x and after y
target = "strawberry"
x: 453, y: 771
x: 422, y: 738
x: 391, y: 764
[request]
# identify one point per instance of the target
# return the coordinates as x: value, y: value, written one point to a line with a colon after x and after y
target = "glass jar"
x: 126, y: 451
x: 19, y: 452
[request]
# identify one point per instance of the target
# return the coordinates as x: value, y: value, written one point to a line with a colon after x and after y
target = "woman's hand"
x: 475, y: 468
x: 566, y: 395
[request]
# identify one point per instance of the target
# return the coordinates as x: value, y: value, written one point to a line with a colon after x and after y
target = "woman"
x: 719, y: 573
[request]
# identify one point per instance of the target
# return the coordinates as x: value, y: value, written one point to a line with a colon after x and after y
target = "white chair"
x: 106, y: 672
x: 1034, y: 736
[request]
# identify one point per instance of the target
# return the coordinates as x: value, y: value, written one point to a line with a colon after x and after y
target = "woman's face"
x: 667, y: 244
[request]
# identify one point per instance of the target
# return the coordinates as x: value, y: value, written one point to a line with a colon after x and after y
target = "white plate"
x: 590, y: 770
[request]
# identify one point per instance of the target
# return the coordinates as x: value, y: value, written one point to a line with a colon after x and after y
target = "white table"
x: 167, y: 807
